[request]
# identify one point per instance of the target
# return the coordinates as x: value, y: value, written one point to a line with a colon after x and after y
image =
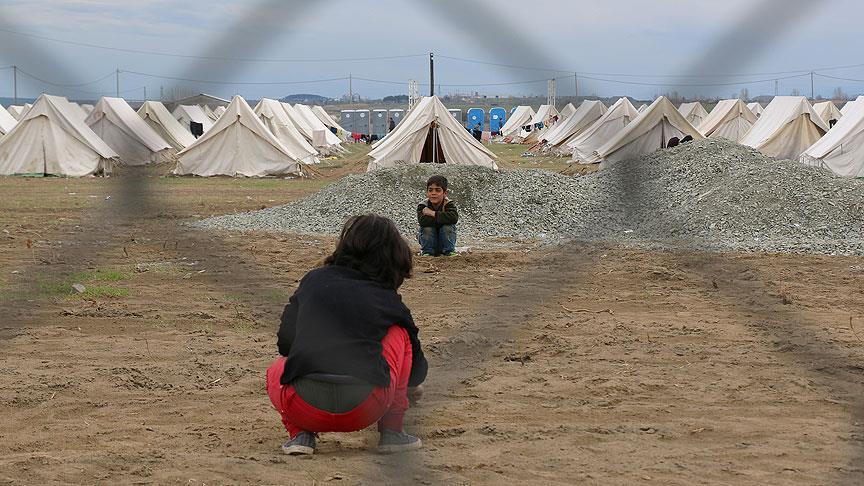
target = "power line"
x: 704, y: 85
x: 59, y: 85
x: 239, y: 83
x: 644, y: 75
x: 840, y: 79
x: 210, y: 58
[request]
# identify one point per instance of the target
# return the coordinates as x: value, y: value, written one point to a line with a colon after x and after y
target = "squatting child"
x: 350, y: 352
x: 437, y: 216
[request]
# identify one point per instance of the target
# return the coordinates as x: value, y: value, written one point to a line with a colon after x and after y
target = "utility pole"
x: 576, y: 77
x: 350, y: 89
x: 15, y: 83
x: 812, y: 85
x: 776, y: 87
x: 161, y: 93
x: 145, y: 93
x: 118, y: 82
x: 431, y: 74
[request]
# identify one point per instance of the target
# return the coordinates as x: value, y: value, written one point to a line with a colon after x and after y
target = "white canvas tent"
x: 186, y: 114
x: 587, y: 113
x: 328, y: 120
x: 299, y: 121
x: 841, y: 150
x: 16, y: 111
x: 756, y: 108
x: 650, y: 131
x: 787, y: 127
x: 546, y: 115
x: 521, y: 116
x: 124, y: 131
x: 694, y: 112
x: 49, y: 139
x: 642, y: 108
x: 76, y: 108
x: 601, y: 131
x: 730, y: 119
x: 163, y: 123
x: 827, y: 111
x: 846, y: 107
x: 429, y: 133
x: 329, y: 138
x: 218, y: 111
x: 7, y: 121
x: 207, y: 111
x: 238, y: 144
x: 272, y: 114
x: 568, y: 111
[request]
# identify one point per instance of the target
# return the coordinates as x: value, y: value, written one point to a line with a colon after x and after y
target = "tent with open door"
x: 189, y: 114
x: 162, y: 122
x: 694, y: 112
x: 787, y: 127
x: 601, y: 131
x: 730, y: 119
x: 756, y: 108
x: 584, y: 116
x: 238, y: 145
x: 272, y: 114
x: 429, y: 133
x: 7, y: 121
x: 828, y: 111
x: 650, y: 131
x: 51, y: 140
x: 124, y: 131
x: 841, y: 150
x: 520, y: 117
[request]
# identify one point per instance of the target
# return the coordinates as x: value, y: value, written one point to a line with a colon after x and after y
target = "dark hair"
x: 673, y: 142
x: 688, y: 138
x: 437, y: 180
x: 371, y: 244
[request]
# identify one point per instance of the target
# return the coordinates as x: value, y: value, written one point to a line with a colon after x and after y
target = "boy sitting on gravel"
x: 437, y: 217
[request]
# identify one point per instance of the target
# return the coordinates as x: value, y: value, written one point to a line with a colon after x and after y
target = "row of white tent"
x: 58, y: 137
x: 788, y: 128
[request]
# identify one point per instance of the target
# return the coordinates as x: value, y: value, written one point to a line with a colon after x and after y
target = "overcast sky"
x: 645, y: 42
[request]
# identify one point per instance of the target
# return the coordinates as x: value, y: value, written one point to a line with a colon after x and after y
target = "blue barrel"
x: 476, y: 116
x: 497, y: 118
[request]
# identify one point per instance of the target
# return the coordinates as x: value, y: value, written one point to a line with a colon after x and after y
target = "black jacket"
x: 334, y: 324
x: 445, y: 214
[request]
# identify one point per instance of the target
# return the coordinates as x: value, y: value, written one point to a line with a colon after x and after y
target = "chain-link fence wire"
x: 759, y: 27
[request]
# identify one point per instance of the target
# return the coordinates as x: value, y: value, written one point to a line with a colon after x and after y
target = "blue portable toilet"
x: 476, y: 116
x: 497, y: 118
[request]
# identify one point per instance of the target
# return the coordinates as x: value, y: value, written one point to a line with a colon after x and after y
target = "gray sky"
x: 643, y: 38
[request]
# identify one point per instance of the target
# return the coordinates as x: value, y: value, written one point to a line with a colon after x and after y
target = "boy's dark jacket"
x: 334, y: 324
x: 447, y: 215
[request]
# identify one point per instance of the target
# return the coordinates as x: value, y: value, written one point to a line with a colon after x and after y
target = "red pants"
x: 386, y: 406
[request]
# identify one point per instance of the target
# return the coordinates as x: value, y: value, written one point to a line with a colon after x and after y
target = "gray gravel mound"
x: 711, y: 194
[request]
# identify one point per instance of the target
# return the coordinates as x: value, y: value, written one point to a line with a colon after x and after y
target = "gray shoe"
x: 392, y: 442
x: 303, y: 444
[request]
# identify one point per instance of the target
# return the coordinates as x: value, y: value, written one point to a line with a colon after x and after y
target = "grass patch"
x: 93, y: 281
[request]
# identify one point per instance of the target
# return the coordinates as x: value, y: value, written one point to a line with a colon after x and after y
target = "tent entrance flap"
x: 432, y: 152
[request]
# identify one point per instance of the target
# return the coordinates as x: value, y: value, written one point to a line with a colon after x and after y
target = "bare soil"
x: 576, y: 364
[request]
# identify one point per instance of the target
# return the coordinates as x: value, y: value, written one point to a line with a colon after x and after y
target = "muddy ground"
x: 581, y: 364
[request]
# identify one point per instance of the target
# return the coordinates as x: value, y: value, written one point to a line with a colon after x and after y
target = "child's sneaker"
x: 302, y: 445
x: 392, y: 442
x: 451, y: 253
x: 424, y: 254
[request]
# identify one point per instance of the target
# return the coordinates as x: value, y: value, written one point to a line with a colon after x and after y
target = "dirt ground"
x: 581, y: 364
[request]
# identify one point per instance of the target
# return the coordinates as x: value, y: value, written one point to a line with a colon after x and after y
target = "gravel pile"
x: 710, y: 194
x: 523, y: 204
